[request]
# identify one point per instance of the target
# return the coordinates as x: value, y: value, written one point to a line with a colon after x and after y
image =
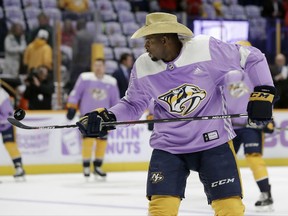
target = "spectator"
x: 272, y: 9
x: 74, y: 6
x: 279, y: 73
x: 122, y: 74
x: 93, y: 89
x: 81, y: 48
x: 39, y: 89
x: 8, y: 135
x: 43, y: 20
x: 68, y: 33
x: 38, y: 52
x: 74, y: 9
x: 15, y: 44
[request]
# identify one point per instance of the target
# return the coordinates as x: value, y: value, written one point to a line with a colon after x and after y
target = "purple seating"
x: 117, y: 40
x: 126, y: 16
x: 120, y: 5
x: 108, y: 53
x: 112, y: 28
x: 31, y: 13
x: 31, y: 3
x: 129, y: 28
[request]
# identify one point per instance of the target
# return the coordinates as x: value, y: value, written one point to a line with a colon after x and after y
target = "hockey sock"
x: 230, y: 206
x: 257, y: 165
x: 13, y: 151
x: 164, y: 205
x: 87, y: 147
x: 264, y: 185
x: 100, y: 148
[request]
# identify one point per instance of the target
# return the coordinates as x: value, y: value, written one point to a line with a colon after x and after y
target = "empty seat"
x: 138, y: 51
x: 136, y: 43
x: 108, y: 15
x: 129, y: 28
x: 209, y: 11
x: 31, y: 3
x: 112, y: 28
x: 252, y: 11
x: 237, y: 10
x: 11, y: 3
x: 31, y: 13
x: 103, y: 5
x: 118, y: 51
x: 49, y: 4
x: 101, y: 38
x: 111, y: 66
x: 13, y: 12
x: 140, y: 17
x: 126, y: 16
x: 53, y: 13
x: 117, y: 40
x: 108, y: 53
x: 120, y: 5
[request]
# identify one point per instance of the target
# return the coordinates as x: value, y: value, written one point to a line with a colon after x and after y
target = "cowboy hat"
x: 159, y: 23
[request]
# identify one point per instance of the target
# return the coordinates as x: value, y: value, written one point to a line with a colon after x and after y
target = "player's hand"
x: 150, y: 125
x: 70, y: 113
x: 90, y: 125
x: 260, y: 105
x: 269, y: 128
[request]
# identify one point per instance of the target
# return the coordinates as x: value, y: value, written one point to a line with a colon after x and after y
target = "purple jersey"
x: 90, y: 93
x: 239, y: 86
x: 6, y: 110
x: 191, y: 85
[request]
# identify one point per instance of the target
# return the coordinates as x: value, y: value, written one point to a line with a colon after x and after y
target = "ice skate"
x: 265, y: 203
x: 86, y: 172
x: 99, y: 174
x: 19, y: 174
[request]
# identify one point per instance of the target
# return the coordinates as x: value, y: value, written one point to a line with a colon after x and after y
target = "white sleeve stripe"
x: 244, y: 53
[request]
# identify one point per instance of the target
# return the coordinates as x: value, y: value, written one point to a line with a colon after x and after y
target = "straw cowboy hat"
x: 159, y: 23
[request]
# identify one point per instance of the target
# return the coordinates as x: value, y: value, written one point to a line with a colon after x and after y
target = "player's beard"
x: 153, y: 58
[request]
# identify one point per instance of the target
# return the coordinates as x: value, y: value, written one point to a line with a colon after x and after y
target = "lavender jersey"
x: 6, y: 110
x: 239, y: 87
x: 191, y: 85
x: 90, y: 92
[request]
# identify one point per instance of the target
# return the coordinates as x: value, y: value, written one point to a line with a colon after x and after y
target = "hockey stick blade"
x: 20, y: 125
x: 215, y: 117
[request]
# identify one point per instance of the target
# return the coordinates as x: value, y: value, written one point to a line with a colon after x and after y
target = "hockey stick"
x: 23, y: 126
x: 255, y: 127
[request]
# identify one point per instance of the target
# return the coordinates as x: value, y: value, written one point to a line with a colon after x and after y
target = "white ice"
x: 123, y: 193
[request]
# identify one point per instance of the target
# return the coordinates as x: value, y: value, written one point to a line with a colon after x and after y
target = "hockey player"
x: 93, y: 89
x: 185, y: 78
x: 237, y: 94
x: 8, y: 135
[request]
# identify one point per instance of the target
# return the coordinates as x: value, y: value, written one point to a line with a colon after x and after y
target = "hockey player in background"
x: 185, y: 78
x: 237, y: 94
x: 93, y: 89
x: 8, y: 135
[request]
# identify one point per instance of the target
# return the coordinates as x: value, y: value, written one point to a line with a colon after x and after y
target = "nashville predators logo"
x: 238, y: 89
x: 156, y: 177
x: 183, y: 99
x: 98, y: 94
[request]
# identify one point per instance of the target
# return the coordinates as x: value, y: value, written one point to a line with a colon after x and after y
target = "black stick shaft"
x: 215, y: 117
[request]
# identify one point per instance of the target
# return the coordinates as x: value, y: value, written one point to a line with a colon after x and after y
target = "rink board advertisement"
x: 125, y: 144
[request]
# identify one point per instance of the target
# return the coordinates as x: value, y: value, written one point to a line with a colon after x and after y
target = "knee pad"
x: 100, y: 148
x: 230, y: 206
x: 257, y: 165
x: 87, y: 146
x: 164, y: 205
